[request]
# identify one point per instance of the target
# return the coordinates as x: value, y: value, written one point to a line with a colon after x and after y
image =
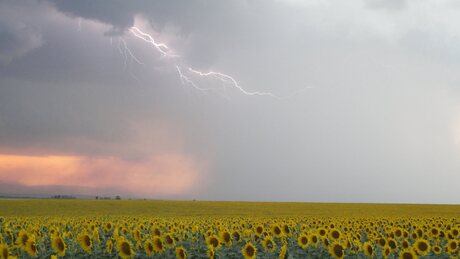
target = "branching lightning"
x: 163, y: 49
x: 126, y: 52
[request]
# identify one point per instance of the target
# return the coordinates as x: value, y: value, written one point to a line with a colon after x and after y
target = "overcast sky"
x: 361, y: 103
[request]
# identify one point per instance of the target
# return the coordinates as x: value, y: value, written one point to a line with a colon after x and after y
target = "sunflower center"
x: 250, y: 250
x: 87, y: 241
x: 338, y: 250
x: 304, y: 240
x: 226, y: 237
x: 369, y: 249
x: 60, y: 244
x: 422, y: 246
x: 407, y: 255
x: 125, y: 248
x: 335, y: 234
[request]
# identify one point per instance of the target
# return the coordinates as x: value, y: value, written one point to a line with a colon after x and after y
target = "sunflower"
x: 335, y: 234
x: 109, y: 246
x: 108, y: 226
x: 325, y: 242
x: 85, y: 242
x: 259, y: 229
x: 148, y: 247
x: 398, y: 232
x: 322, y: 232
x: 169, y: 240
x: 226, y: 238
x: 156, y: 232
x: 213, y: 241
x: 408, y: 254
x: 181, y: 253
x: 276, y: 230
x: 236, y: 236
x: 386, y: 251
x: 23, y: 236
x: 125, y: 249
x: 336, y: 250
x: 422, y: 247
x: 249, y: 251
x: 286, y: 230
x: 437, y: 249
x: 382, y: 242
x: 210, y: 253
x: 368, y: 249
x: 268, y: 244
x: 434, y: 232
x: 158, y: 245
x: 452, y: 246
x: 58, y: 245
x: 313, y: 238
x: 4, y: 252
x: 302, y: 241
x: 455, y: 232
x: 405, y: 244
x: 283, y: 252
x: 392, y: 244
x: 31, y: 247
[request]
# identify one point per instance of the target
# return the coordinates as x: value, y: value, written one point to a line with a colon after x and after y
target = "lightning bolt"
x: 164, y: 50
x: 126, y: 52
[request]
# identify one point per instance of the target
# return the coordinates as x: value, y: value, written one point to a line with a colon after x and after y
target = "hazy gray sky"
x: 372, y: 112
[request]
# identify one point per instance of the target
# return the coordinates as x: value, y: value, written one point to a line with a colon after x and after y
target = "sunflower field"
x: 170, y: 229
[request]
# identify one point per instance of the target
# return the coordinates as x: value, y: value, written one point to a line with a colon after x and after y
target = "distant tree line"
x: 63, y: 197
x: 107, y: 198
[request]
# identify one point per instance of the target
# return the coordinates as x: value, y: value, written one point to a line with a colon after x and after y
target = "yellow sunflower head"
x: 181, y: 253
x: 58, y: 245
x: 249, y: 251
x: 368, y: 249
x: 109, y: 246
x: 210, y: 253
x: 408, y: 254
x: 452, y: 246
x: 226, y: 238
x: 158, y: 245
x: 313, y: 239
x: 276, y: 230
x: 22, y: 238
x: 437, y: 250
x: 335, y: 234
x: 268, y: 244
x: 31, y: 247
x: 4, y: 252
x: 283, y: 252
x: 259, y: 229
x: 125, y: 249
x: 422, y: 247
x: 386, y: 251
x: 302, y: 241
x: 85, y: 242
x: 148, y: 247
x: 214, y: 241
x: 169, y: 240
x: 336, y: 250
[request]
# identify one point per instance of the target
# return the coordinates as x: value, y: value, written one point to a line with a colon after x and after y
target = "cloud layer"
x: 380, y: 123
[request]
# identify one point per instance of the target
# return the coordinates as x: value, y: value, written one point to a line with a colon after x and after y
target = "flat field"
x: 197, y: 229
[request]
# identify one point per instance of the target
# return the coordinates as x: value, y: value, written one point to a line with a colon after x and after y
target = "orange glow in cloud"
x: 167, y: 174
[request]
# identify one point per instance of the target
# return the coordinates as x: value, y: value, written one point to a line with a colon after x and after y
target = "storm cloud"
x: 372, y: 112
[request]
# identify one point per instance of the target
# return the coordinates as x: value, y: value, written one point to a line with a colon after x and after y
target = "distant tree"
x: 118, y: 197
x: 97, y: 197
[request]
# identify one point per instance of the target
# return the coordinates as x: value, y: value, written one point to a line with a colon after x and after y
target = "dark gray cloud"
x: 381, y: 124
